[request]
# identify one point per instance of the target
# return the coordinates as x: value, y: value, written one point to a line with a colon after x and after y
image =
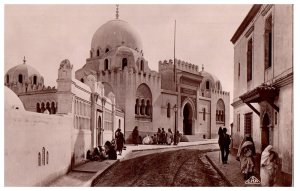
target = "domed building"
x: 115, y: 89
x: 148, y: 97
x: 22, y: 76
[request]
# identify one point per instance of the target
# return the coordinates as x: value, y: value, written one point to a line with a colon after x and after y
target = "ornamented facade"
x: 148, y: 97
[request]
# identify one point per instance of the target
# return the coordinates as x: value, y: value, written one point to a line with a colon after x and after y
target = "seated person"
x: 110, y: 151
x: 147, y: 140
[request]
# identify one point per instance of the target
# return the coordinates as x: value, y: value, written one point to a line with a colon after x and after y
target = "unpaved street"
x: 185, y: 167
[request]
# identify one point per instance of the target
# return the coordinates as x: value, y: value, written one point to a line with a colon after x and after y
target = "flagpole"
x: 174, y: 53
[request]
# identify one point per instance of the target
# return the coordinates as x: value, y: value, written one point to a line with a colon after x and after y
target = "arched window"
x: 39, y: 159
x: 20, y: 78
x: 207, y: 85
x: 220, y: 112
x: 148, y: 108
x: 137, y: 106
x: 47, y: 158
x: 53, y: 109
x: 42, y: 107
x: 204, y: 114
x: 142, y: 112
x: 38, y: 109
x: 48, y: 106
x: 124, y: 63
x: 142, y: 65
x: 98, y: 52
x: 119, y: 123
x: 7, y: 79
x: 43, y: 156
x: 82, y: 80
x: 34, y: 80
x: 107, y: 50
x: 106, y: 64
x: 91, y: 54
x: 169, y: 110
x: 143, y: 106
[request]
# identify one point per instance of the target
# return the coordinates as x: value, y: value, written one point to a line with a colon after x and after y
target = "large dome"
x: 116, y: 33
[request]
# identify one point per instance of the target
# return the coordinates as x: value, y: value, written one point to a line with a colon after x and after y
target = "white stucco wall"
x: 26, y: 133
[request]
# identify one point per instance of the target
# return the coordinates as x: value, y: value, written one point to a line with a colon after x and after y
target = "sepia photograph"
x: 148, y: 95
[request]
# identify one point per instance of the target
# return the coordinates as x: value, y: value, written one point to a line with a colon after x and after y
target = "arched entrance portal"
x: 99, y: 131
x: 265, y: 136
x: 187, y: 119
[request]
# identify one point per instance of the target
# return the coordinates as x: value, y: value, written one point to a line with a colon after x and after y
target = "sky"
x: 47, y: 34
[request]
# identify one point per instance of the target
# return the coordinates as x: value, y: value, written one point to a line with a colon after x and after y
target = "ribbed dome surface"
x: 116, y: 33
x: 23, y: 69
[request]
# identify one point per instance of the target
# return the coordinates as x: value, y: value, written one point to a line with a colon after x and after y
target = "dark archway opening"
x: 265, y: 135
x: 124, y: 63
x: 99, y: 131
x: 187, y: 119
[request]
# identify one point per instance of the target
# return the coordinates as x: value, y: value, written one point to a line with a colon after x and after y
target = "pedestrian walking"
x: 269, y: 164
x: 246, y: 159
x: 135, y: 136
x: 224, y: 143
x: 246, y: 138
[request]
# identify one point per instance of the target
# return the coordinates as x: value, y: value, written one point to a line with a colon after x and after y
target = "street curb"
x: 91, y: 181
x: 219, y: 171
x: 150, y: 149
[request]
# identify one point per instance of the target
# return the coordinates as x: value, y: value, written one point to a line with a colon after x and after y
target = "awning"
x: 261, y: 93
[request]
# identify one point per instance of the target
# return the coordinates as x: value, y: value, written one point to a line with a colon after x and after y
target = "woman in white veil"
x: 268, y: 166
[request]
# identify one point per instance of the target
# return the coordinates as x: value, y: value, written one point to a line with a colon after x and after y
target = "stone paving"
x: 231, y: 171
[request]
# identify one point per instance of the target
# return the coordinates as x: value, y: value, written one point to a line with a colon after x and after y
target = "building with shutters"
x: 263, y: 82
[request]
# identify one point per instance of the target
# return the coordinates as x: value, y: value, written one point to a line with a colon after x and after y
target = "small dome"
x: 116, y: 33
x: 216, y: 84
x: 11, y: 100
x: 29, y: 75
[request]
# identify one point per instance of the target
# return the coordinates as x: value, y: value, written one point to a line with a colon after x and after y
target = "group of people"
x: 161, y: 137
x: 269, y: 162
x: 109, y: 150
x: 101, y: 153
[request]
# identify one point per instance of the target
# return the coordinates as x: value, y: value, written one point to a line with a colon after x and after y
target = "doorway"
x: 187, y: 119
x: 265, y: 134
x: 99, y: 132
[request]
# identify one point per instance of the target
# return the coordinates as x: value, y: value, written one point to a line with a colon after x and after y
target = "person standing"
x: 220, y: 133
x: 268, y: 166
x: 169, y: 137
x: 135, y: 136
x: 246, y: 138
x: 158, y: 136
x: 120, y: 141
x: 163, y: 136
x: 246, y: 159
